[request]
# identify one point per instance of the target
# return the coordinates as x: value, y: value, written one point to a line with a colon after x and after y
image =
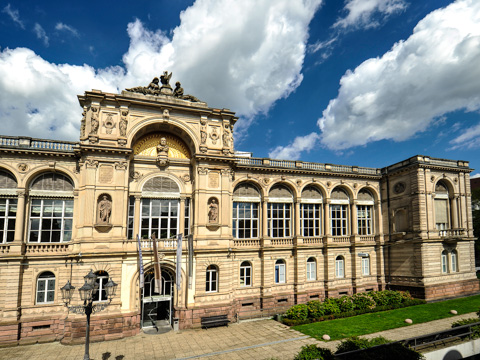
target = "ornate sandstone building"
x: 264, y: 234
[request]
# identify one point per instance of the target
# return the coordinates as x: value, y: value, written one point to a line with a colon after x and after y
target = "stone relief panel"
x: 213, y: 180
x: 105, y: 174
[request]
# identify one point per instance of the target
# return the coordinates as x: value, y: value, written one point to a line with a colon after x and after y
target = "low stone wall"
x: 441, y: 291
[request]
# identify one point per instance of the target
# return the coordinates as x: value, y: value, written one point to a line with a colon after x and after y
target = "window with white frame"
x: 441, y: 207
x: 245, y: 216
x: 159, y: 216
x: 365, y: 204
x: 280, y: 271
x: 245, y: 274
x: 45, y: 288
x: 311, y: 212
x: 187, y: 217
x: 279, y: 214
x: 211, y: 281
x: 8, y: 206
x: 339, y: 267
x: 339, y: 224
x: 311, y: 269
x: 131, y: 217
x: 454, y: 261
x: 444, y: 259
x: 51, y: 208
x: 100, y: 294
x: 366, y: 265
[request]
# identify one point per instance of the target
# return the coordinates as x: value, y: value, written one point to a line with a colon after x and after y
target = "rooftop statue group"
x: 155, y: 89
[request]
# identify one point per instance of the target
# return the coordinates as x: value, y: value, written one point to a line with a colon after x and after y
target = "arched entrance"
x: 157, y: 307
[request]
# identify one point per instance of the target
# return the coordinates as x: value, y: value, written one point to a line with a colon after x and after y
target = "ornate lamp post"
x: 86, y: 294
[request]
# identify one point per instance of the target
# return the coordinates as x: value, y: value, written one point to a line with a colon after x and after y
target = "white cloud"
x: 246, y: 64
x: 434, y: 72
x: 64, y: 27
x: 362, y: 13
x: 475, y: 176
x: 14, y: 15
x: 41, y: 34
x: 293, y: 150
x: 469, y: 138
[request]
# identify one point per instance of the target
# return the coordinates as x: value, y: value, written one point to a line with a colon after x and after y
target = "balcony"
x: 45, y: 248
x: 451, y: 234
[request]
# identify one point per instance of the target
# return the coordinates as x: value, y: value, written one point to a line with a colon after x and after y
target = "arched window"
x: 160, y: 208
x: 279, y: 212
x: 311, y: 269
x: 211, y: 283
x: 365, y: 213
x: 245, y: 274
x: 8, y: 206
x: 246, y: 199
x: 46, y: 288
x: 442, y: 220
x: 311, y: 212
x: 444, y: 262
x: 51, y: 210
x: 102, y: 279
x: 454, y: 261
x: 339, y: 212
x: 149, y: 287
x: 339, y: 267
x: 280, y: 271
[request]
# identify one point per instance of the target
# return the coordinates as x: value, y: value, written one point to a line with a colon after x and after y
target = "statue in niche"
x: 94, y: 121
x: 213, y: 211
x: 162, y: 147
x: 123, y: 127
x: 178, y: 93
x: 203, y: 135
x: 226, y: 138
x: 104, y: 210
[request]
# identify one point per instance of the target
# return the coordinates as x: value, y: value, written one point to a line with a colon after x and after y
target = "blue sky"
x: 356, y: 82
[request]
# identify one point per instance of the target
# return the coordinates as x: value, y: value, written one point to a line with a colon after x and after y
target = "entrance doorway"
x: 157, y: 307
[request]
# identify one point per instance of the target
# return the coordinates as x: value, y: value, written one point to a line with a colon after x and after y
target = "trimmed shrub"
x: 345, y: 304
x: 297, y: 312
x: 330, y: 306
x: 312, y: 352
x: 362, y: 302
x: 387, y: 297
x: 315, y: 309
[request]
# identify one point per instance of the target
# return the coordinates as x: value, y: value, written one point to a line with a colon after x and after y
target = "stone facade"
x: 266, y: 234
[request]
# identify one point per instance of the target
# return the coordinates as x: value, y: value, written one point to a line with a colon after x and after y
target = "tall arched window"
x: 280, y: 271
x: 160, y: 208
x: 102, y: 279
x: 45, y: 288
x: 311, y: 212
x: 311, y: 269
x: 149, y: 287
x: 280, y: 201
x: 365, y: 213
x: 339, y: 223
x: 8, y: 206
x: 211, y: 282
x: 442, y: 219
x: 51, y: 210
x: 245, y: 274
x: 454, y: 261
x: 246, y: 199
x: 444, y: 258
x: 339, y: 267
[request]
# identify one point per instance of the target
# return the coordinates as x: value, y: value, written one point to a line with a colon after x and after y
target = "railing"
x: 451, y: 233
x: 42, y: 248
x: 147, y: 244
x: 313, y: 240
x: 246, y: 242
x: 341, y: 239
x: 313, y: 166
x: 367, y: 238
x: 370, y: 171
x: 282, y: 163
x: 4, y: 248
x: 249, y: 161
x: 441, y: 162
x: 341, y: 168
x: 282, y: 241
x: 29, y: 143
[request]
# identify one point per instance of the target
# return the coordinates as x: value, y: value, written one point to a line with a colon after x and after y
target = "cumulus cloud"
x: 246, y: 64
x: 64, y: 27
x: 434, y: 72
x: 41, y: 34
x: 293, y: 150
x: 14, y: 15
x: 469, y: 138
x: 477, y: 175
x: 368, y: 13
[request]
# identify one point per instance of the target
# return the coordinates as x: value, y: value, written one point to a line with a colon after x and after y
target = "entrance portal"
x: 157, y: 307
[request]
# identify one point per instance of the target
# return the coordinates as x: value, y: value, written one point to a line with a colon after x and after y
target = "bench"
x: 212, y: 321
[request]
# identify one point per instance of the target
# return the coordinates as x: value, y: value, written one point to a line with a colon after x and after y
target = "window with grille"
x: 311, y: 219
x: 187, y: 217
x: 45, y: 288
x: 444, y: 262
x: 131, y: 217
x: 441, y: 207
x: 454, y: 262
x: 245, y: 220
x: 365, y: 265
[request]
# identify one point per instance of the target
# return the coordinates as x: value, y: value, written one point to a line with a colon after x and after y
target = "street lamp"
x: 86, y: 294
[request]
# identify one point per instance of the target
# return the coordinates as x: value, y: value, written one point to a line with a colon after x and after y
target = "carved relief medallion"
x: 214, y: 135
x: 22, y: 167
x: 399, y: 187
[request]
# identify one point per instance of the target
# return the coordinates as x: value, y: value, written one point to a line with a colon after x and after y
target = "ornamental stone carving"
x: 186, y: 178
x: 122, y: 126
x: 202, y: 171
x: 135, y: 175
x: 214, y: 136
x: 104, y: 209
x: 83, y: 122
x: 121, y: 165
x: 109, y: 124
x: 22, y: 167
x: 399, y: 188
x: 94, y: 121
x: 203, y: 134
x: 92, y: 163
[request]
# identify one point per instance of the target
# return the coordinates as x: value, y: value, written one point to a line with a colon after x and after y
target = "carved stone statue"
x: 226, y: 138
x: 162, y: 147
x: 178, y: 93
x: 203, y: 135
x: 94, y: 121
x: 123, y: 127
x: 165, y: 79
x: 213, y: 211
x: 104, y: 210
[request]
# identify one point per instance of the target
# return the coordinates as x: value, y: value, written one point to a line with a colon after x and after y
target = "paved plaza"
x: 263, y: 339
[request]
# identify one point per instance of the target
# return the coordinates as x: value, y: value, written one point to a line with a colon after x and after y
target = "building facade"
x: 264, y: 234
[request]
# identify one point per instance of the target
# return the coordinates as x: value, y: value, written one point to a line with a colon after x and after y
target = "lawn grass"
x: 391, y: 319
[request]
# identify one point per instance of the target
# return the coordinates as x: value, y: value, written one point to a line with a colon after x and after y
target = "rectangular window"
x: 311, y: 269
x: 444, y: 262
x: 366, y: 266
x: 338, y: 220
x: 280, y: 273
x: 453, y: 257
x: 8, y: 213
x: 245, y: 220
x: 51, y: 220
x: 159, y: 217
x: 339, y: 268
x: 245, y: 274
x: 131, y: 217
x: 364, y: 219
x: 279, y: 219
x: 187, y: 217
x: 45, y: 290
x: 311, y: 219
x: 211, y: 280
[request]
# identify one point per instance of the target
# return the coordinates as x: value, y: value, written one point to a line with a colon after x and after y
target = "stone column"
x: 264, y: 218
x: 136, y: 216
x: 353, y: 218
x: 297, y: 218
x: 454, y: 212
x: 20, y: 218
x: 326, y: 216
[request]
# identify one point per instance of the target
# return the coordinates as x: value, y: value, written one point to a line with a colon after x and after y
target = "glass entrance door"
x: 157, y: 307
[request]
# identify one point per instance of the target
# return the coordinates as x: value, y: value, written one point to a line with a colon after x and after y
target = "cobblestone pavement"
x: 265, y: 339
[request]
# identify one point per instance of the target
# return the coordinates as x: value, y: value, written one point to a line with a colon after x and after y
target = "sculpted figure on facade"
x: 94, y: 121
x: 104, y: 210
x: 226, y: 138
x: 178, y: 93
x: 203, y: 135
x: 213, y: 211
x: 162, y: 147
x: 152, y: 89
